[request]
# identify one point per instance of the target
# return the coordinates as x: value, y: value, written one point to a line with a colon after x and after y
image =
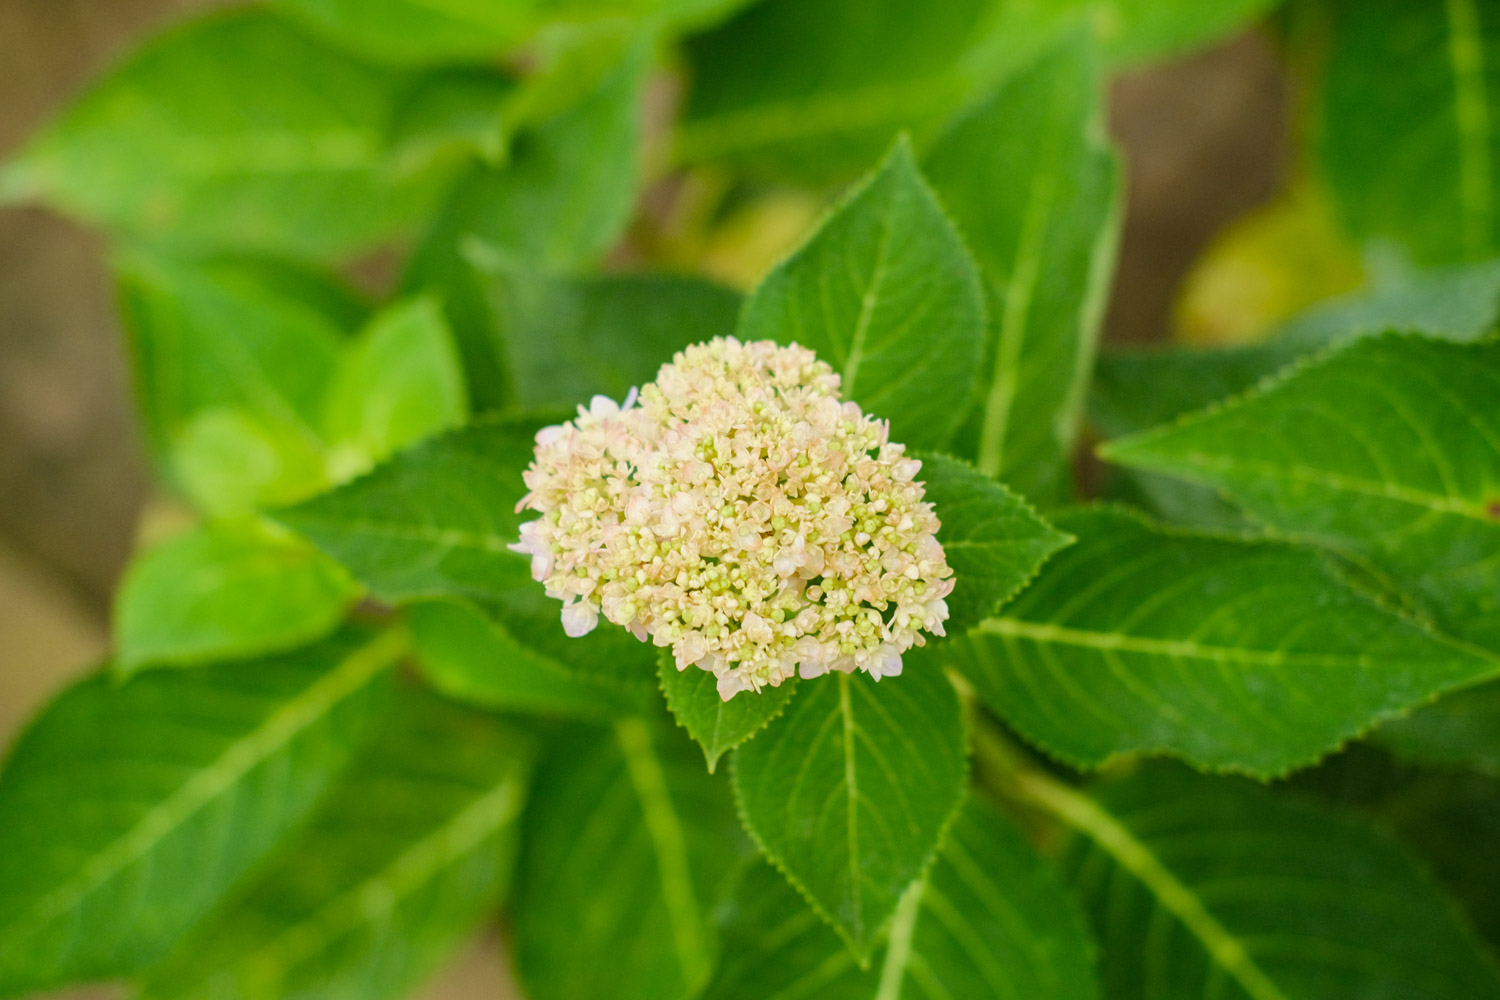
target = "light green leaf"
x: 566, y: 339
x: 718, y: 725
x: 452, y: 115
x: 1408, y: 92
x: 409, y: 852
x: 1031, y: 182
x: 1200, y: 887
x: 627, y: 842
x: 1234, y: 655
x: 420, y: 31
x: 850, y: 791
x: 991, y: 922
x: 177, y: 784
x: 1460, y: 731
x: 1136, y: 31
x: 476, y: 659
x: 398, y: 383
x: 885, y: 293
x: 224, y: 592
x: 232, y: 131
x: 993, y: 539
x: 1387, y: 451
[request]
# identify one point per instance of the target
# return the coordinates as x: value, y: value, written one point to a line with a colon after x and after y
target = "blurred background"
x: 1205, y: 139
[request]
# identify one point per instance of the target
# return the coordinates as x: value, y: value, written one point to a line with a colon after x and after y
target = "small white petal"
x: 579, y: 619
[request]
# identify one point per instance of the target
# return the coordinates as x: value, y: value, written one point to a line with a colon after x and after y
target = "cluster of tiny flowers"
x: 737, y: 511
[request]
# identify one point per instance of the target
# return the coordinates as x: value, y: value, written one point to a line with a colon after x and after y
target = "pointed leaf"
x: 885, y: 293
x: 991, y: 922
x: 1387, y: 451
x: 1032, y: 185
x: 412, y: 848
x: 718, y: 725
x: 849, y: 792
x: 627, y: 842
x: 177, y: 784
x: 1246, y: 656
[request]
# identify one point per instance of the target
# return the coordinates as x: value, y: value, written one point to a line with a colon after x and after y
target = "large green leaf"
x: 886, y: 293
x: 235, y: 130
x: 469, y: 656
x: 1030, y: 180
x: 718, y: 725
x: 1387, y: 451
x: 627, y: 842
x: 127, y: 811
x: 1201, y: 887
x: 993, y: 539
x: 1460, y: 731
x: 849, y: 792
x: 991, y: 922
x: 1409, y: 93
x: 409, y: 851
x: 1247, y: 656
x: 224, y: 592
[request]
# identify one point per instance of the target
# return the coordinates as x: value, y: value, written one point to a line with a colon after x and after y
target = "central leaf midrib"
x: 867, y: 305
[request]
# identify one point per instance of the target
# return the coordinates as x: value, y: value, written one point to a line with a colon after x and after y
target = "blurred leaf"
x: 1045, y: 240
x: 1137, y: 31
x: 991, y: 922
x: 476, y: 659
x: 414, y: 31
x: 627, y: 842
x: 177, y: 784
x: 566, y: 339
x: 232, y: 131
x: 398, y: 383
x: 1461, y: 730
x: 1199, y: 886
x: 408, y: 853
x: 1387, y: 450
x: 452, y: 114
x: 1234, y: 655
x: 1404, y: 128
x: 993, y: 539
x: 225, y: 592
x: 885, y: 293
x: 849, y: 792
x: 718, y: 725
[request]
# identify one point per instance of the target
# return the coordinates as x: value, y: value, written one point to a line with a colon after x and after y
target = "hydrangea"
x: 739, y: 512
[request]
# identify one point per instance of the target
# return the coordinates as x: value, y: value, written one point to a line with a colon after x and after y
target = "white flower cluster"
x: 741, y: 514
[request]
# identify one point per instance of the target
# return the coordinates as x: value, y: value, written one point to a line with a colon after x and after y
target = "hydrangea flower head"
x: 739, y: 512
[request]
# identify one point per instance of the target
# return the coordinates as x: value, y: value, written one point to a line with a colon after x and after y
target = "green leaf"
x: 176, y: 784
x: 993, y: 539
x: 224, y: 592
x: 718, y: 725
x: 886, y: 293
x: 476, y: 659
x: 414, y: 31
x: 232, y: 131
x: 452, y: 115
x: 1406, y: 95
x: 627, y: 842
x: 1045, y: 241
x: 1199, y: 886
x: 409, y: 852
x: 1387, y: 451
x: 1136, y: 31
x: 1234, y: 655
x: 566, y: 339
x: 992, y: 922
x: 1461, y: 731
x: 849, y: 793
x: 399, y: 382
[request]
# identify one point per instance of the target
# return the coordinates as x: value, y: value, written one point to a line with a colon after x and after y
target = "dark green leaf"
x: 1200, y: 887
x: 407, y: 854
x: 1461, y: 731
x: 1045, y: 239
x: 224, y: 592
x: 992, y: 922
x: 237, y: 131
x: 886, y: 293
x: 174, y: 785
x: 849, y: 793
x: 993, y: 539
x: 1387, y: 451
x: 1235, y: 655
x: 718, y: 725
x: 476, y: 659
x: 627, y: 842
x: 413, y: 31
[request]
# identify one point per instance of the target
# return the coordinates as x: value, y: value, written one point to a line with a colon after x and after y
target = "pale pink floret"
x: 739, y: 513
